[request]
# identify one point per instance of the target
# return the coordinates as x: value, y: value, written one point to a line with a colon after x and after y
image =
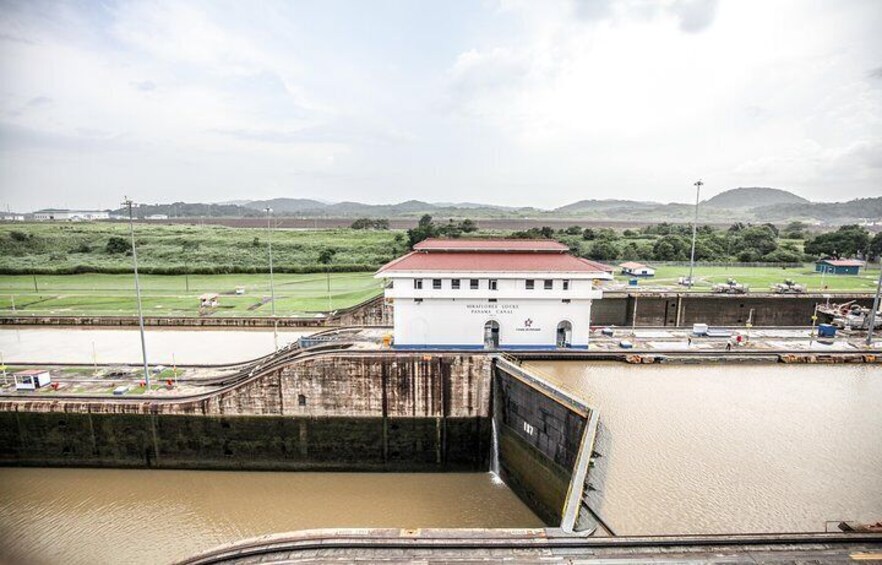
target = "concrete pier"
x: 545, y: 546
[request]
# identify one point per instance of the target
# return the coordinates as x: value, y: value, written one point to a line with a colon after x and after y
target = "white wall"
x: 445, y: 321
x: 507, y: 288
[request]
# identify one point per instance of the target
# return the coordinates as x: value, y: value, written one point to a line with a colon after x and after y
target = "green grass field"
x: 306, y: 294
x: 759, y: 279
x: 177, y: 295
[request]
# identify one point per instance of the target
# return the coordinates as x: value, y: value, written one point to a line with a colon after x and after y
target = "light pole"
x: 269, y: 240
x: 128, y: 203
x: 328, y: 276
x: 698, y: 184
x: 875, y: 308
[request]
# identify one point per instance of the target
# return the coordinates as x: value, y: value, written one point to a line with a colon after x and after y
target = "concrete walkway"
x: 753, y: 339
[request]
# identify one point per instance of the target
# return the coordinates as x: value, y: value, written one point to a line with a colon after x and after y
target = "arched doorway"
x: 564, y: 334
x: 491, y: 335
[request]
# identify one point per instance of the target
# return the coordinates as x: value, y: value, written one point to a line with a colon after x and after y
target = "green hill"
x: 753, y: 197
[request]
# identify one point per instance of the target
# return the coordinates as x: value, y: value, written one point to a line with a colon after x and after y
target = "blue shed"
x: 839, y: 266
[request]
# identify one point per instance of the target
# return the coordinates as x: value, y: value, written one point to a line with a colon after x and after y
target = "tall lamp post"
x: 269, y: 239
x: 698, y: 185
x: 128, y: 204
x: 875, y: 308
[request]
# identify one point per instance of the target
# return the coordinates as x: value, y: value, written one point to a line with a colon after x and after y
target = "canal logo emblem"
x: 528, y: 326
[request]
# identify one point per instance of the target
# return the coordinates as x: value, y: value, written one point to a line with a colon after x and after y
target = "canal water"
x: 85, y: 345
x: 94, y: 516
x: 732, y: 449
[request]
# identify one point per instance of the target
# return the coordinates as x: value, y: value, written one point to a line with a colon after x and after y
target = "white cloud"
x: 519, y: 102
x: 625, y: 90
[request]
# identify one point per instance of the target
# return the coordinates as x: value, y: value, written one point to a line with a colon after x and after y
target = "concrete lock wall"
x: 368, y: 413
x: 376, y: 411
x: 539, y: 441
x: 654, y: 309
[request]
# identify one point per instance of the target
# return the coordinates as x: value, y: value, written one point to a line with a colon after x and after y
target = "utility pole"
x: 269, y: 240
x: 872, y: 320
x: 128, y: 203
x: 328, y: 275
x: 698, y: 185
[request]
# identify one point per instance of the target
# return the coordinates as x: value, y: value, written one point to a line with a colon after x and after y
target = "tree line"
x: 740, y: 242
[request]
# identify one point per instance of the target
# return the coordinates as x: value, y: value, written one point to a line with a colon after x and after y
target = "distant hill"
x: 285, y: 205
x: 597, y: 205
x: 190, y: 210
x: 746, y: 204
x: 832, y: 212
x: 753, y: 197
x: 409, y: 208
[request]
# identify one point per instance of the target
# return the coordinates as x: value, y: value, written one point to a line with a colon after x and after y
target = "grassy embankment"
x: 759, y: 279
x: 70, y: 248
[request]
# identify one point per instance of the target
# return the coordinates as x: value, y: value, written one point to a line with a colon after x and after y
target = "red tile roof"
x: 632, y: 265
x: 843, y: 262
x: 492, y: 245
x: 511, y: 262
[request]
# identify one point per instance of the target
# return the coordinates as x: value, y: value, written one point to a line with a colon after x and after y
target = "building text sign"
x: 491, y: 308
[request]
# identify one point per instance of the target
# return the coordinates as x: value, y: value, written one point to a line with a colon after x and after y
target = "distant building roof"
x: 506, y: 262
x: 67, y: 211
x: 492, y: 245
x: 842, y: 262
x: 633, y: 265
x: 30, y: 372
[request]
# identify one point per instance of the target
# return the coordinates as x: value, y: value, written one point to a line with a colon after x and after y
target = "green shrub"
x: 116, y: 245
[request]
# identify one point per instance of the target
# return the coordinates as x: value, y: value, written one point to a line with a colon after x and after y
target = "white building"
x: 31, y: 379
x: 510, y: 294
x: 71, y: 215
x: 637, y: 269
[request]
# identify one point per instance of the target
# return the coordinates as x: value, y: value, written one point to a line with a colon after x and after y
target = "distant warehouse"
x: 637, y: 269
x: 839, y: 266
x: 52, y: 214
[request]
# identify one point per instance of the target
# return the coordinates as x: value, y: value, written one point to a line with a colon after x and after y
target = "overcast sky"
x: 519, y: 103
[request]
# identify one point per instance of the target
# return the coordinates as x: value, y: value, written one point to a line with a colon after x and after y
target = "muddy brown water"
x: 732, y: 449
x: 95, y: 516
